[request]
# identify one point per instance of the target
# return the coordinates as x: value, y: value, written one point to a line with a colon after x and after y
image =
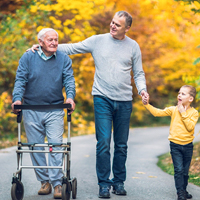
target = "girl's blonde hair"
x: 192, y: 91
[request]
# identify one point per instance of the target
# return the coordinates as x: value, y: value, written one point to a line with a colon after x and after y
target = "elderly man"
x: 115, y: 56
x: 39, y: 80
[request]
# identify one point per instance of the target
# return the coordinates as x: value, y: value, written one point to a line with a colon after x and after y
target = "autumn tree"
x: 194, y: 78
x: 74, y: 21
x: 166, y: 34
x: 166, y: 31
x: 17, y: 33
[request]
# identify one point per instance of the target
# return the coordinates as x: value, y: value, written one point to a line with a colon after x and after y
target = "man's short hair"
x: 192, y: 91
x: 42, y: 33
x: 127, y: 16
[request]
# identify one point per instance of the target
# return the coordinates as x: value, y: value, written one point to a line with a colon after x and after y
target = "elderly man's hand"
x: 15, y: 111
x: 71, y: 101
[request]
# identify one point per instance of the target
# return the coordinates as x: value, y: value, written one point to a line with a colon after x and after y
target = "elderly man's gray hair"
x: 42, y: 33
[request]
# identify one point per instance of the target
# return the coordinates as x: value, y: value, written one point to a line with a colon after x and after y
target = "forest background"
x: 166, y: 30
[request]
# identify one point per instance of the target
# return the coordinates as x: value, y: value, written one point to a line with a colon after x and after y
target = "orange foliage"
x: 165, y: 30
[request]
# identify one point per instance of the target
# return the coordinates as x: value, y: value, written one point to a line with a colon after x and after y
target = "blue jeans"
x: 108, y: 113
x: 181, y: 156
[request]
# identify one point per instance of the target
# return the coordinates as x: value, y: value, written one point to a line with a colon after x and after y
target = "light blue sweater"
x: 114, y: 60
x: 41, y: 82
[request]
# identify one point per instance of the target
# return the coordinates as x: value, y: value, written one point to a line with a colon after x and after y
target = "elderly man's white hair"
x: 42, y: 33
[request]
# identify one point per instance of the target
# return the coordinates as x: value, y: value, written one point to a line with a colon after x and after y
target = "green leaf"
x: 196, y: 61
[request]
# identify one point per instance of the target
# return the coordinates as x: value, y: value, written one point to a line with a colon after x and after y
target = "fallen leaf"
x: 152, y: 176
x: 140, y: 172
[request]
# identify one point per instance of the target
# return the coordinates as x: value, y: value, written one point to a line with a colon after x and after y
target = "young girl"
x: 183, y: 121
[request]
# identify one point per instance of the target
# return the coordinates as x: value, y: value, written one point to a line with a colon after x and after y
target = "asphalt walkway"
x: 145, y: 181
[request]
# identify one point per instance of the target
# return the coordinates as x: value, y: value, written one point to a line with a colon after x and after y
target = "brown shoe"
x: 58, y: 192
x: 45, y: 189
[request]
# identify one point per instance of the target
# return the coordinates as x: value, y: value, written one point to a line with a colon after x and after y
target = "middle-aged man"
x: 115, y: 55
x: 39, y: 80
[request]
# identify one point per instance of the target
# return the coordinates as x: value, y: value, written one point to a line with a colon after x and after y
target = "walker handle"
x: 68, y: 116
x: 19, y: 117
x: 39, y: 107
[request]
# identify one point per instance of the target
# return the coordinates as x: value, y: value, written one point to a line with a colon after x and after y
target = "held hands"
x: 181, y: 108
x: 145, y: 97
x: 34, y: 47
x: 71, y: 101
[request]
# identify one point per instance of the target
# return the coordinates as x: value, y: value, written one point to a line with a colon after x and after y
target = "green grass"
x: 165, y: 163
x: 195, y: 179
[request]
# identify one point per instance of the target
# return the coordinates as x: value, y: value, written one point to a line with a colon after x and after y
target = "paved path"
x: 145, y: 181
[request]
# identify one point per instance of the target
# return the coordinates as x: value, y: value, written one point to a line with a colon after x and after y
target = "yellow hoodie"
x: 182, y: 124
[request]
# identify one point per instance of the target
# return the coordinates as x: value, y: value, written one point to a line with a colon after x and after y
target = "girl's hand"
x: 181, y: 108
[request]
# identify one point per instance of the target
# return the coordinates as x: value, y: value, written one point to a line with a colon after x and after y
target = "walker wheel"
x: 74, y: 188
x: 66, y: 189
x: 17, y: 191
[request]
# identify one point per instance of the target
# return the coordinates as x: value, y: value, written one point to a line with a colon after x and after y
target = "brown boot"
x: 58, y: 192
x: 45, y: 189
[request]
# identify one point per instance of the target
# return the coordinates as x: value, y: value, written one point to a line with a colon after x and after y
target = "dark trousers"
x: 181, y: 157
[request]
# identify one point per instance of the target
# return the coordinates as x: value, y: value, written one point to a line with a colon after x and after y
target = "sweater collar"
x: 43, y: 56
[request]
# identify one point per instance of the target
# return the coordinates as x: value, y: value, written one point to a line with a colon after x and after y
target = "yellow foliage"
x: 5, y: 100
x: 81, y: 10
x: 33, y: 9
x: 56, y: 22
x: 39, y: 28
x: 165, y: 30
x: 67, y: 31
x: 5, y: 113
x: 78, y: 17
x: 139, y: 110
x: 69, y: 22
x: 45, y: 7
x: 77, y: 31
x: 22, y: 24
x: 75, y: 38
x: 196, y: 4
x: 61, y: 34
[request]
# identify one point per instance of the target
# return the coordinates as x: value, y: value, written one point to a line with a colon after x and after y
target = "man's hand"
x: 181, y: 108
x: 34, y: 47
x: 15, y: 111
x: 145, y: 97
x: 145, y: 100
x: 71, y: 101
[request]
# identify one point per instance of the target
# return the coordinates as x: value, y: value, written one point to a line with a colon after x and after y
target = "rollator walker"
x: 68, y: 185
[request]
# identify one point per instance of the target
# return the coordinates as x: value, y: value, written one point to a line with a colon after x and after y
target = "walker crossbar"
x: 36, y: 107
x: 41, y: 151
x: 43, y: 145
